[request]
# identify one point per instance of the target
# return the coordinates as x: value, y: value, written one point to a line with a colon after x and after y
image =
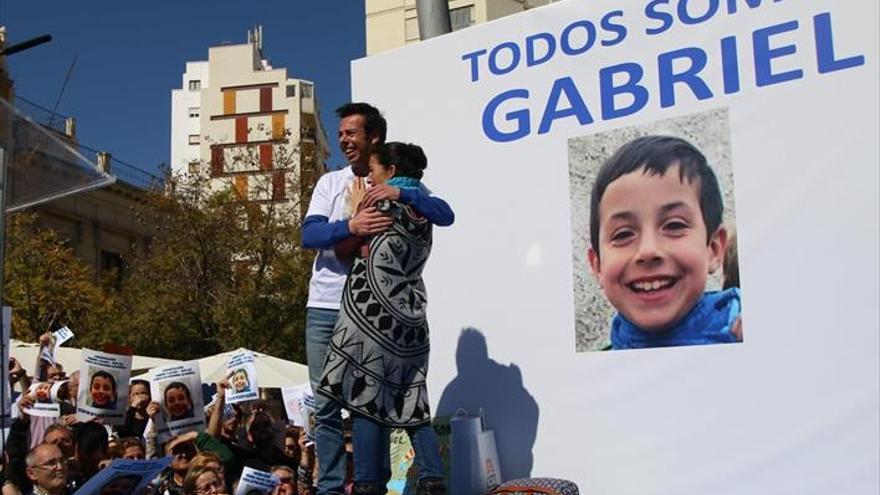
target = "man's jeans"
x: 372, y: 450
x: 328, y: 428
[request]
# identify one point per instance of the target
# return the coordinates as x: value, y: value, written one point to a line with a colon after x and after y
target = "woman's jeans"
x: 372, y: 449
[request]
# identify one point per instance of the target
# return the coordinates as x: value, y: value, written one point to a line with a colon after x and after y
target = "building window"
x: 306, y: 90
x: 461, y: 17
x: 291, y: 90
x: 194, y: 139
x: 195, y: 85
x: 112, y: 268
x: 194, y: 167
x: 193, y: 112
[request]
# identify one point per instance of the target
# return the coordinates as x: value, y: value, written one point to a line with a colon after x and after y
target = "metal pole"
x: 433, y: 18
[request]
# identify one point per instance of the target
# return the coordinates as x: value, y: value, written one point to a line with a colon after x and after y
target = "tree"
x: 221, y: 272
x: 46, y: 284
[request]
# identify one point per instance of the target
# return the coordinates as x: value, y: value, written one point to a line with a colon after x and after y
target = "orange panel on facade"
x: 265, y: 157
x: 240, y: 187
x: 278, y: 126
x: 241, y: 129
x: 228, y: 101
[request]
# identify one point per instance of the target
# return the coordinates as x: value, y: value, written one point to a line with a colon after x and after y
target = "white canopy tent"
x: 272, y: 372
x: 71, y: 357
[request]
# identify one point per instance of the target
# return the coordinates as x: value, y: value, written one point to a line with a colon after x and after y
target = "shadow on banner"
x: 510, y: 409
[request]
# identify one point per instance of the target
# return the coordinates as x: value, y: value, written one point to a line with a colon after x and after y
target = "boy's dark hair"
x: 655, y: 154
x: 408, y: 159
x: 374, y: 122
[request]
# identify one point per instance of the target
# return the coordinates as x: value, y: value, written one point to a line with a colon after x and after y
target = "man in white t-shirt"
x: 328, y: 221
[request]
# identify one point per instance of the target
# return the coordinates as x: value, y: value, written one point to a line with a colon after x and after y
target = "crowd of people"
x: 368, y: 221
x: 57, y: 456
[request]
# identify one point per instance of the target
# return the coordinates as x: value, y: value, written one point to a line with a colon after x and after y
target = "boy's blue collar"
x: 404, y: 182
x: 709, y: 322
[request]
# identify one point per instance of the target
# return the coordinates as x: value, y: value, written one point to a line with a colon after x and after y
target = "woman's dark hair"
x: 91, y: 446
x: 408, y: 159
x: 138, y: 381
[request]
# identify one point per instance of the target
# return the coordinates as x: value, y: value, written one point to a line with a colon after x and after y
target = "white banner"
x: 519, y: 118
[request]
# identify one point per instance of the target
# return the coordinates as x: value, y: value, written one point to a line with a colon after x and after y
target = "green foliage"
x: 219, y: 274
x: 46, y: 284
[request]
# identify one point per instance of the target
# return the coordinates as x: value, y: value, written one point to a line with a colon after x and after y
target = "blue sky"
x: 132, y: 54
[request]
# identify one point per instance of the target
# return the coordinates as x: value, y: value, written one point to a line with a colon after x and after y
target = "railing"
x: 124, y: 171
x: 41, y: 114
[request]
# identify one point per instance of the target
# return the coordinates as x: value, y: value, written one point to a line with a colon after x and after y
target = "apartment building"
x: 394, y: 23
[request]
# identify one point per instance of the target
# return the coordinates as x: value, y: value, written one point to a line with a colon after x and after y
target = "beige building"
x: 248, y: 126
x: 395, y: 23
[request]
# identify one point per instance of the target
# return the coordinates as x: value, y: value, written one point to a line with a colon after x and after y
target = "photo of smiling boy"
x: 656, y: 234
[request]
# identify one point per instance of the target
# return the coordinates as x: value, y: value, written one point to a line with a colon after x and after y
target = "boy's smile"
x: 654, y: 258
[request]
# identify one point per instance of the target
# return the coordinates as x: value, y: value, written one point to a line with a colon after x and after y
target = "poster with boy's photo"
x: 241, y: 372
x: 43, y: 404
x: 653, y: 234
x: 178, y: 389
x: 56, y: 340
x: 124, y: 477
x: 255, y: 482
x: 103, y: 387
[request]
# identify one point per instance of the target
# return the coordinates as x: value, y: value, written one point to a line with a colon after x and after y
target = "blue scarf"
x: 709, y: 322
x: 404, y: 182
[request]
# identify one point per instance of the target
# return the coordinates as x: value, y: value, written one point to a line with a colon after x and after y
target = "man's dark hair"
x: 374, y: 122
x: 408, y: 159
x: 654, y: 155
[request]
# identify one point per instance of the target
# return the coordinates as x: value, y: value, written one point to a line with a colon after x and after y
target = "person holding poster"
x: 105, y: 378
x: 377, y: 363
x: 330, y: 219
x: 656, y: 234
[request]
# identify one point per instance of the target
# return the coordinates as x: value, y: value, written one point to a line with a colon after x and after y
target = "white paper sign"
x: 103, y: 387
x: 178, y: 389
x: 56, y: 340
x: 294, y: 400
x: 254, y: 482
x: 242, y: 375
x: 43, y: 404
